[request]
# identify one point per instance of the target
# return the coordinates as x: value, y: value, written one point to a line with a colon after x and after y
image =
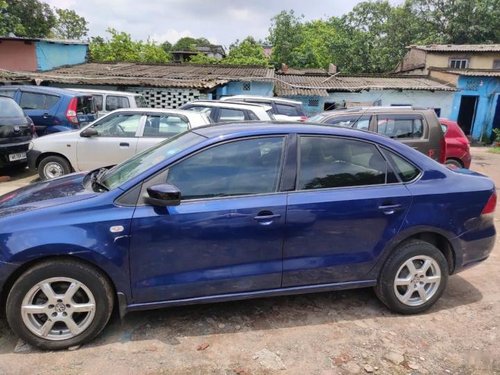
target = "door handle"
x: 124, y: 144
x: 266, y: 217
x: 390, y: 209
x: 45, y: 115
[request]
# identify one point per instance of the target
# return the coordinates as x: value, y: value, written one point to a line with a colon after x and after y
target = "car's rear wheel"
x: 413, y: 278
x: 58, y: 304
x: 52, y: 167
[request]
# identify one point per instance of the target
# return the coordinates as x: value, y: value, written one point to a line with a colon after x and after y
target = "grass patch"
x: 494, y: 150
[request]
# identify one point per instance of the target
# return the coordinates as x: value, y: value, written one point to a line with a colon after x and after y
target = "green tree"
x: 285, y: 35
x: 28, y: 18
x: 120, y: 48
x: 166, y: 46
x: 189, y: 44
x: 246, y: 52
x: 70, y: 25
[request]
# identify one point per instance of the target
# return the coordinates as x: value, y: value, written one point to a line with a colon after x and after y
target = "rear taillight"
x: 490, y: 206
x: 303, y: 118
x: 71, y: 112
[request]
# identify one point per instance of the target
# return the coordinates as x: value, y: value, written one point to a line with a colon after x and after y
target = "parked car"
x: 415, y: 126
x: 234, y: 212
x: 282, y: 109
x: 53, y: 109
x: 220, y: 111
x: 16, y: 132
x: 457, y: 144
x: 107, y: 101
x: 110, y: 140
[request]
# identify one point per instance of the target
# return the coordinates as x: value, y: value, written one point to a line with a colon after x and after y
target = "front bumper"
x: 32, y: 159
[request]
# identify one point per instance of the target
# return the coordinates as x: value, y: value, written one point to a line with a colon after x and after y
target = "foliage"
x: 189, y: 44
x: 285, y: 35
x: 246, y: 52
x: 120, y: 48
x: 496, y: 132
x: 70, y: 25
x: 166, y: 46
x: 27, y: 18
x: 201, y: 58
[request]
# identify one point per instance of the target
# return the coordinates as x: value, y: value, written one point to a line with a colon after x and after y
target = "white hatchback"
x: 109, y: 140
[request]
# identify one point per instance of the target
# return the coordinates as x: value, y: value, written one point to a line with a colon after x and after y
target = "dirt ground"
x: 328, y: 333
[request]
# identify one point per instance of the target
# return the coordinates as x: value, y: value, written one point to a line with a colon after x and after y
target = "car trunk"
x: 14, y: 130
x: 86, y: 109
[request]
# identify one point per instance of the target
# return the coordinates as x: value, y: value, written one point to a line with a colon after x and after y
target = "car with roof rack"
x: 222, y: 111
x: 418, y: 127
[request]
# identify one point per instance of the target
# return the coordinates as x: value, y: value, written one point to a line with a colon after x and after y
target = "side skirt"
x: 124, y: 308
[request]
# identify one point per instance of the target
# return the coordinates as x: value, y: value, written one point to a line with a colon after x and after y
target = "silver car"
x: 110, y: 140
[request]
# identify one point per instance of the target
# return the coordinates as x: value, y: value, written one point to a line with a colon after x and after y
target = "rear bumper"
x: 12, y: 148
x: 475, y: 245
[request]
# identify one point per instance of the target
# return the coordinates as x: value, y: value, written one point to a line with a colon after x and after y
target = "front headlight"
x: 30, y: 146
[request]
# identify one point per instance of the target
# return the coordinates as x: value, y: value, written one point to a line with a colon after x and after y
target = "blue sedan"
x: 234, y: 212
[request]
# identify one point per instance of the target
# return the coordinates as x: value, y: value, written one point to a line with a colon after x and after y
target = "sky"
x: 220, y: 21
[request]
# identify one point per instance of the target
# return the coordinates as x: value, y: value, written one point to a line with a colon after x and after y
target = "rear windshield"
x: 9, y: 108
x: 288, y: 110
x: 86, y: 105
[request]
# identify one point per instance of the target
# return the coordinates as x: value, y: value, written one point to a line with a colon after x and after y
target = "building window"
x: 496, y: 64
x: 459, y: 63
x: 247, y: 86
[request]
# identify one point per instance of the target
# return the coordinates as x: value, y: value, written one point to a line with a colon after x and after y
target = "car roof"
x: 43, y: 89
x: 110, y: 92
x: 184, y: 112
x: 228, y: 104
x: 375, y: 109
x: 268, y: 98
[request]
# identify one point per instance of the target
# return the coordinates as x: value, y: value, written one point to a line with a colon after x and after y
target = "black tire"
x: 93, y: 322
x: 395, y: 266
x: 454, y: 163
x: 58, y: 162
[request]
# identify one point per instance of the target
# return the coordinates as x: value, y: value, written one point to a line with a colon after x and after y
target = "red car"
x: 457, y: 144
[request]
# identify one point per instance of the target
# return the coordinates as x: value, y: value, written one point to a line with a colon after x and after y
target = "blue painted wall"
x: 441, y: 100
x: 50, y: 55
x: 236, y: 88
x: 487, y: 89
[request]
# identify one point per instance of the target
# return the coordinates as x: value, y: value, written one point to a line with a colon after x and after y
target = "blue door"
x: 348, y: 204
x: 227, y: 234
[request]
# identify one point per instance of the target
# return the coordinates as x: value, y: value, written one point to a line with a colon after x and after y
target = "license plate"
x: 18, y: 156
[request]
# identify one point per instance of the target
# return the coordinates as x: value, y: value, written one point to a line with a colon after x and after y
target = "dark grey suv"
x: 16, y: 132
x: 415, y: 126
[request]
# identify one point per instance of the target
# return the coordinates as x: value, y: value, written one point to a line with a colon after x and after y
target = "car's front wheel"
x: 58, y: 304
x: 53, y: 166
x: 413, y: 278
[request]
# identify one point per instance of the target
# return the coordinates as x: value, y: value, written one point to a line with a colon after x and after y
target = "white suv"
x: 283, y: 109
x: 107, y: 100
x: 109, y: 140
x: 220, y: 111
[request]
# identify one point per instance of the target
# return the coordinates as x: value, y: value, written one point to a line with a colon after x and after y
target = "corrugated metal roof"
x: 473, y: 72
x: 166, y: 75
x: 58, y: 41
x: 289, y: 85
x: 458, y: 47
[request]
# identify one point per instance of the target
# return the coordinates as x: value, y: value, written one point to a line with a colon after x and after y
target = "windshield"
x: 316, y: 118
x: 141, y: 162
x: 9, y: 108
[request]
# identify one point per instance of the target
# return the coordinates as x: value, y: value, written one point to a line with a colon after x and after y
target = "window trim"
x: 394, y: 167
x: 157, y: 177
x: 451, y: 60
x: 377, y: 146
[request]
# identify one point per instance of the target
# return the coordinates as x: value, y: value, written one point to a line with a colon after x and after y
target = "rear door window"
x: 336, y: 162
x: 229, y: 114
x: 32, y: 100
x: 401, y: 126
x: 98, y: 102
x: 165, y: 126
x: 116, y: 102
x: 287, y: 110
x: 406, y: 171
x: 356, y: 122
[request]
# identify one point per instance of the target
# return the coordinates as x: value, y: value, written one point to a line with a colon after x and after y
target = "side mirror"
x: 89, y: 132
x: 163, y: 195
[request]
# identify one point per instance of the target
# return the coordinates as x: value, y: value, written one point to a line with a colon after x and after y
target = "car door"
x: 227, y: 234
x: 161, y: 126
x: 40, y: 107
x: 347, y: 204
x: 116, y: 141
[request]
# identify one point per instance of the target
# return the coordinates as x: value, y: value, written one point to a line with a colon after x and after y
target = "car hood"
x: 43, y: 194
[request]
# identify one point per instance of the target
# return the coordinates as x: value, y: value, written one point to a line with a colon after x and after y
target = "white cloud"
x: 171, y: 35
